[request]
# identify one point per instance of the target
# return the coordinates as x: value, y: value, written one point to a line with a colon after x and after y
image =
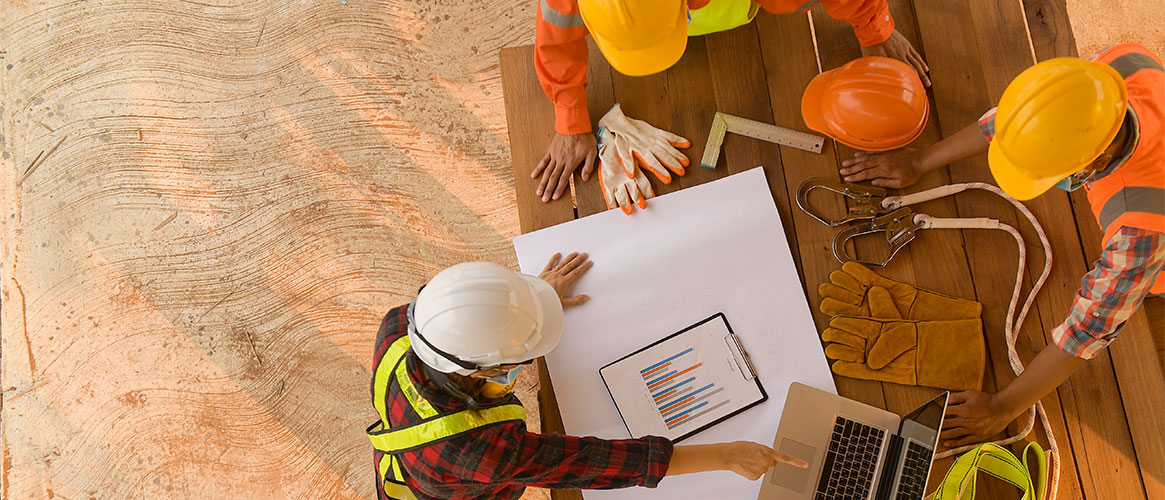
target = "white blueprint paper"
x: 716, y: 247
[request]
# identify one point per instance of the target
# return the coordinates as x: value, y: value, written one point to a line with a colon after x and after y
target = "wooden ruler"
x: 724, y: 123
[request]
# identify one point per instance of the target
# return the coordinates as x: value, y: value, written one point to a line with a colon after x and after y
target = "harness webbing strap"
x: 1000, y: 463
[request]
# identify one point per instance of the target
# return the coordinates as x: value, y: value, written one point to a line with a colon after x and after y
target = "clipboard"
x: 685, y: 382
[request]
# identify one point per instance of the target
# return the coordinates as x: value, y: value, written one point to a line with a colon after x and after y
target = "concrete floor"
x: 207, y: 207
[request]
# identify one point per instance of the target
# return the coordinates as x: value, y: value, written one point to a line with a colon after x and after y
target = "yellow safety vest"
x: 433, y: 427
x: 721, y: 15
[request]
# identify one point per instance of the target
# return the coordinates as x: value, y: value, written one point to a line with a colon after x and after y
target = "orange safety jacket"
x: 1133, y: 193
x: 560, y: 47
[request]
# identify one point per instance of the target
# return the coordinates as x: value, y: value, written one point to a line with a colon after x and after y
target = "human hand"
x: 973, y: 417
x: 752, y: 460
x: 561, y: 275
x: 898, y: 47
x: 893, y: 169
x: 564, y: 155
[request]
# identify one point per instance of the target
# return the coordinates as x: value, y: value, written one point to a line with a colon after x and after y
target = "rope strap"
x: 1014, y: 321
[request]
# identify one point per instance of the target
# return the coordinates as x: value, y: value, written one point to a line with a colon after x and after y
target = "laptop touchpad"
x: 788, y: 476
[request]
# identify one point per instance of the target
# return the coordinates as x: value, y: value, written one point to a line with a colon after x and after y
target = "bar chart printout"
x: 679, y: 394
x: 683, y: 383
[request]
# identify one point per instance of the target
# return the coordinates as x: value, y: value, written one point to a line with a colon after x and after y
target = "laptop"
x: 855, y: 451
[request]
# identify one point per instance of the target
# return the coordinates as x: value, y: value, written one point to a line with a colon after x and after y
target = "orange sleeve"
x: 560, y: 59
x: 870, y: 18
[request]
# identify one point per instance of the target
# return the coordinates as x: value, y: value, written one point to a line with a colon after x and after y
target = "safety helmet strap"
x: 417, y: 332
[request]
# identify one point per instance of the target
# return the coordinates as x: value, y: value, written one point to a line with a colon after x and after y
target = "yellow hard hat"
x: 638, y: 37
x: 1053, y: 120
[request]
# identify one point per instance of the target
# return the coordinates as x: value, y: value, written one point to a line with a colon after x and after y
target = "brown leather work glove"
x: 948, y: 354
x: 845, y: 295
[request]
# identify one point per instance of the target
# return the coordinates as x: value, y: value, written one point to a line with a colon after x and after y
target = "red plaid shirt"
x: 501, y: 460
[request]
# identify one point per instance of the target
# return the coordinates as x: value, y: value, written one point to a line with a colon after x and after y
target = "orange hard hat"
x: 871, y: 104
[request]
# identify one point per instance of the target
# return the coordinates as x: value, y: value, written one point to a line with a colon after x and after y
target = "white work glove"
x: 618, y: 189
x: 653, y: 148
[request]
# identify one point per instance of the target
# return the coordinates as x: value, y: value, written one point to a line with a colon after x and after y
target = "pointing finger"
x: 791, y: 460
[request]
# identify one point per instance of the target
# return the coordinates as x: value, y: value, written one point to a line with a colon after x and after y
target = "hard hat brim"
x: 650, y: 60
x: 552, y: 316
x: 812, y: 100
x: 1013, y: 180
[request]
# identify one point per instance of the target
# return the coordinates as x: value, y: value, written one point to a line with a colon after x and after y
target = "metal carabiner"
x: 865, y: 201
x: 899, y: 226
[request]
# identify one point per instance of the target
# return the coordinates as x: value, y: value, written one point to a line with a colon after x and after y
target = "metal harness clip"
x: 900, y: 227
x: 866, y: 201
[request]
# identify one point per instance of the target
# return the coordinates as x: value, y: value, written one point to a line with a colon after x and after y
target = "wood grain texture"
x: 1050, y: 29
x: 790, y: 63
x: 193, y: 278
x: 935, y: 260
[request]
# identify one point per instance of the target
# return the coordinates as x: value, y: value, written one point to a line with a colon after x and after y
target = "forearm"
x: 560, y: 61
x: 964, y: 144
x: 568, y: 462
x: 689, y: 459
x: 1051, y: 367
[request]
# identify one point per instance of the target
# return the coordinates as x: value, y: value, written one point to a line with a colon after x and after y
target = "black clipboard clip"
x: 743, y: 360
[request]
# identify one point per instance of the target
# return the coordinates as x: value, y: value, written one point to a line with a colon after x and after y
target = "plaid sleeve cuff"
x: 987, y: 124
x: 1080, y: 343
x: 659, y: 452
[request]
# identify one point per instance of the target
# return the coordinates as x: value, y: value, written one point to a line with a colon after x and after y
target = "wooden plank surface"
x: 1110, y: 450
x: 935, y: 260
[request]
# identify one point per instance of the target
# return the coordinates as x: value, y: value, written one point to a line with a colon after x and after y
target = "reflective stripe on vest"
x: 560, y: 19
x: 432, y: 428
x: 443, y: 427
x: 1144, y: 199
x: 1133, y: 62
x: 722, y: 15
x: 1133, y: 194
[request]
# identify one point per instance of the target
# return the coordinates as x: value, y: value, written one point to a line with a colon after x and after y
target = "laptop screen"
x: 929, y: 416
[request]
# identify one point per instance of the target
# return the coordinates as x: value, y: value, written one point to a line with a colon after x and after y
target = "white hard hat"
x: 479, y: 315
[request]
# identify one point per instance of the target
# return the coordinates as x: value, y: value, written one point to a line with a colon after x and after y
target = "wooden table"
x: 1108, y: 418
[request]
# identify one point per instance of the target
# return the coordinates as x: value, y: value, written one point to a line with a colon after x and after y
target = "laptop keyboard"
x: 912, y: 485
x: 848, y: 471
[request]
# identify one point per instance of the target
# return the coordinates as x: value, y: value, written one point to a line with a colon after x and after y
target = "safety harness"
x: 432, y: 428
x: 997, y: 461
x: 872, y: 211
